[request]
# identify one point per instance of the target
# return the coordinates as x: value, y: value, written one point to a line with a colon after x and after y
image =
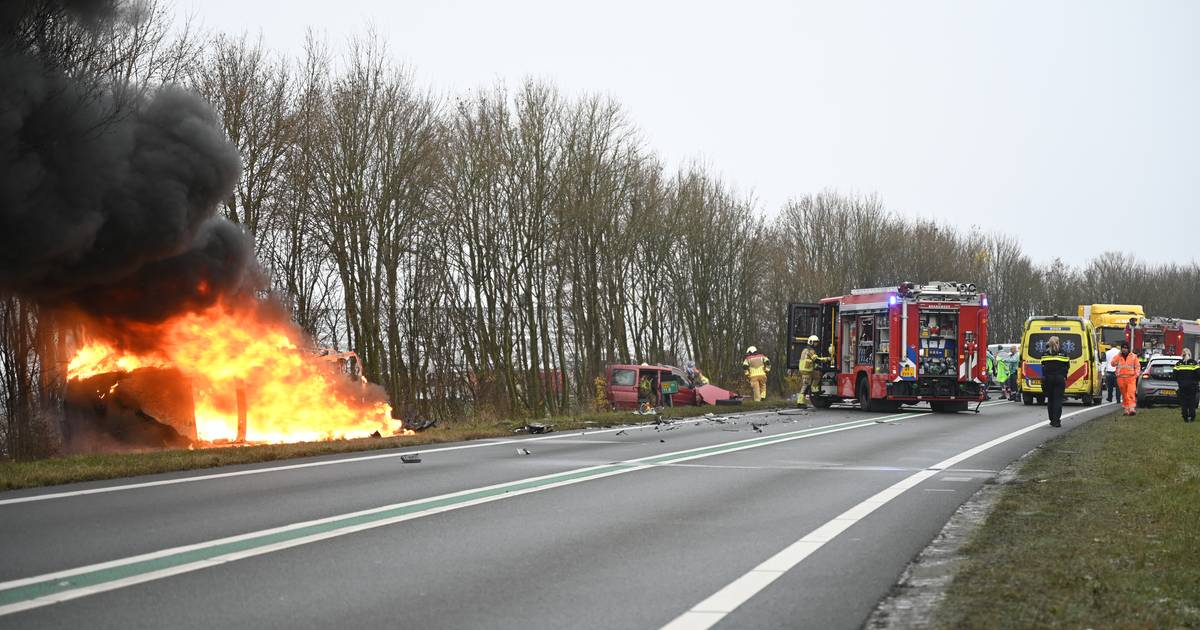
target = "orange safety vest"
x: 1127, y: 366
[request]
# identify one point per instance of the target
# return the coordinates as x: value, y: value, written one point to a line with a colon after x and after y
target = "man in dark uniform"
x: 1187, y: 374
x: 1054, y: 380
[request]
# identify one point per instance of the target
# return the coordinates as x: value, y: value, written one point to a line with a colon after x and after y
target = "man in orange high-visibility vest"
x: 1128, y: 370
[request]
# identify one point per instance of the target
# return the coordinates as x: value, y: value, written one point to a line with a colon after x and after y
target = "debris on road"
x: 535, y: 427
x: 622, y: 432
x: 757, y: 426
x: 411, y: 458
x: 524, y: 451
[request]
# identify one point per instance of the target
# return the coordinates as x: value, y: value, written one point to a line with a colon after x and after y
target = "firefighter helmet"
x: 813, y: 339
x: 751, y: 350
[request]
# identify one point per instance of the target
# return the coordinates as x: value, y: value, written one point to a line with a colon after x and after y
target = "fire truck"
x: 894, y: 346
x: 1154, y: 336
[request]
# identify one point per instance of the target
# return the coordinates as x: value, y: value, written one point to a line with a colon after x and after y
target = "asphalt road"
x: 805, y: 522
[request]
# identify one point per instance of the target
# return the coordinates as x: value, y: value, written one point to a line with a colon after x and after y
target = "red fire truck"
x: 1154, y: 336
x: 894, y: 346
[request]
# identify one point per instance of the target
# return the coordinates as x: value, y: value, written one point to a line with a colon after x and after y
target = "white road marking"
x: 633, y: 465
x: 712, y: 610
x: 359, y: 459
x: 330, y: 462
x: 958, y: 479
x: 940, y: 490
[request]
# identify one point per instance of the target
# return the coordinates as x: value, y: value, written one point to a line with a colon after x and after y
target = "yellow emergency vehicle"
x: 1079, y: 343
x: 1110, y: 321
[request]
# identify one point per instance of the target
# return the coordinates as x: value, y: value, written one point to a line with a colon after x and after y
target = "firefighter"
x: 695, y: 376
x: 1187, y: 374
x: 1055, y: 366
x: 1128, y: 369
x: 646, y: 392
x: 756, y: 366
x: 810, y: 373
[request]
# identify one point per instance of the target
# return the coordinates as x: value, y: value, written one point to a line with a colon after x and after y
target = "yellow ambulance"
x: 1079, y: 343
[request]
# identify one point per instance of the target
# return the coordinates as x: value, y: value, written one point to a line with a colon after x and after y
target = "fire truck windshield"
x: 1071, y: 344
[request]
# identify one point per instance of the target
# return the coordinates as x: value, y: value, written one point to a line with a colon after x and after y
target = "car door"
x: 622, y: 387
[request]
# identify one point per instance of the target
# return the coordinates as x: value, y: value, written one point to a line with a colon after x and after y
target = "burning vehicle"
x: 223, y: 375
x: 150, y: 303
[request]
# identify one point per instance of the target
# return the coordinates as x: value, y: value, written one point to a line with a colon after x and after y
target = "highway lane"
x: 637, y: 547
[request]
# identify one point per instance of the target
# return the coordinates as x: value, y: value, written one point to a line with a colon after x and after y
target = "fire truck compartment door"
x: 804, y: 320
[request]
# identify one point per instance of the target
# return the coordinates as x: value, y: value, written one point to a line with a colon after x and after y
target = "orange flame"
x: 292, y: 395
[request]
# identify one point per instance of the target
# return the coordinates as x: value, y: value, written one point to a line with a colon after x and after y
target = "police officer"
x: 1055, y: 366
x: 1187, y: 374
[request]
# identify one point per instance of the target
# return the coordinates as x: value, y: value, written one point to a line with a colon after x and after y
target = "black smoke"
x: 108, y: 205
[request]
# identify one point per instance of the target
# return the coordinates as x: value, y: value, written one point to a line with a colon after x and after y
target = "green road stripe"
x: 62, y: 585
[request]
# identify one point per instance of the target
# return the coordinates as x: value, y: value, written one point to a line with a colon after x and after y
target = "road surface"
x: 803, y: 522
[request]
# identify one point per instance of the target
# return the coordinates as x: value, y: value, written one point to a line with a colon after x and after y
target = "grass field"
x: 1101, y: 530
x: 59, y: 470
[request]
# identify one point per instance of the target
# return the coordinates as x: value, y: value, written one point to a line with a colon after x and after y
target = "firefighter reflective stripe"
x: 1187, y: 367
x: 1054, y: 357
x: 806, y: 360
x: 1127, y: 366
x: 756, y: 364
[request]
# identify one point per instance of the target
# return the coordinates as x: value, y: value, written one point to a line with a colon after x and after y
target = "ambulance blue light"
x: 893, y: 300
x: 985, y: 301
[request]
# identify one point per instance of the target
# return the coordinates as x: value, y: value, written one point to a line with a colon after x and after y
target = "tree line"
x: 487, y: 253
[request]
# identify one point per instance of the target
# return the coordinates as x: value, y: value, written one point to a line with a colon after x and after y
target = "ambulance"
x: 1078, y: 341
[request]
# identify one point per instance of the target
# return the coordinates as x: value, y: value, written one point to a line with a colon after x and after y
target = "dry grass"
x: 60, y: 470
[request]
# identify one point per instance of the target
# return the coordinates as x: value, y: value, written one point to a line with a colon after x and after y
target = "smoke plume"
x: 108, y: 206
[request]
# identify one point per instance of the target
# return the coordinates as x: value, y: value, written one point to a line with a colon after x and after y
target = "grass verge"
x: 1100, y: 530
x: 69, y: 469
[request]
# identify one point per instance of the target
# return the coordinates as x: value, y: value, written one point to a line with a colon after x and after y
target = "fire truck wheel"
x: 864, y: 396
x: 821, y: 402
x: 1026, y: 399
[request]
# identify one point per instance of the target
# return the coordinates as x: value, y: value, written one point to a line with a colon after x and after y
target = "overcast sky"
x: 1072, y: 125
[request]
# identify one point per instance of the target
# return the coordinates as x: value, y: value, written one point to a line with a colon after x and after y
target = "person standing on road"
x: 1110, y: 373
x: 810, y: 373
x: 756, y: 366
x: 1187, y: 374
x: 1055, y: 366
x: 1127, y: 369
x: 1001, y: 377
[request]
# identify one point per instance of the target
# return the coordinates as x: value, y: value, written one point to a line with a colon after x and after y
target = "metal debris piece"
x: 622, y: 432
x: 538, y: 427
x: 757, y: 427
x: 421, y: 425
x: 663, y: 441
x: 411, y: 458
x: 524, y: 451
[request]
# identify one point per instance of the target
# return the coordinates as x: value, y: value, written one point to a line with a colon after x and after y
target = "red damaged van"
x: 623, y: 387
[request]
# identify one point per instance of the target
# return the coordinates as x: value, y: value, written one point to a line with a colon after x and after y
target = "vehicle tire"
x: 820, y: 402
x: 1027, y: 399
x: 864, y: 396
